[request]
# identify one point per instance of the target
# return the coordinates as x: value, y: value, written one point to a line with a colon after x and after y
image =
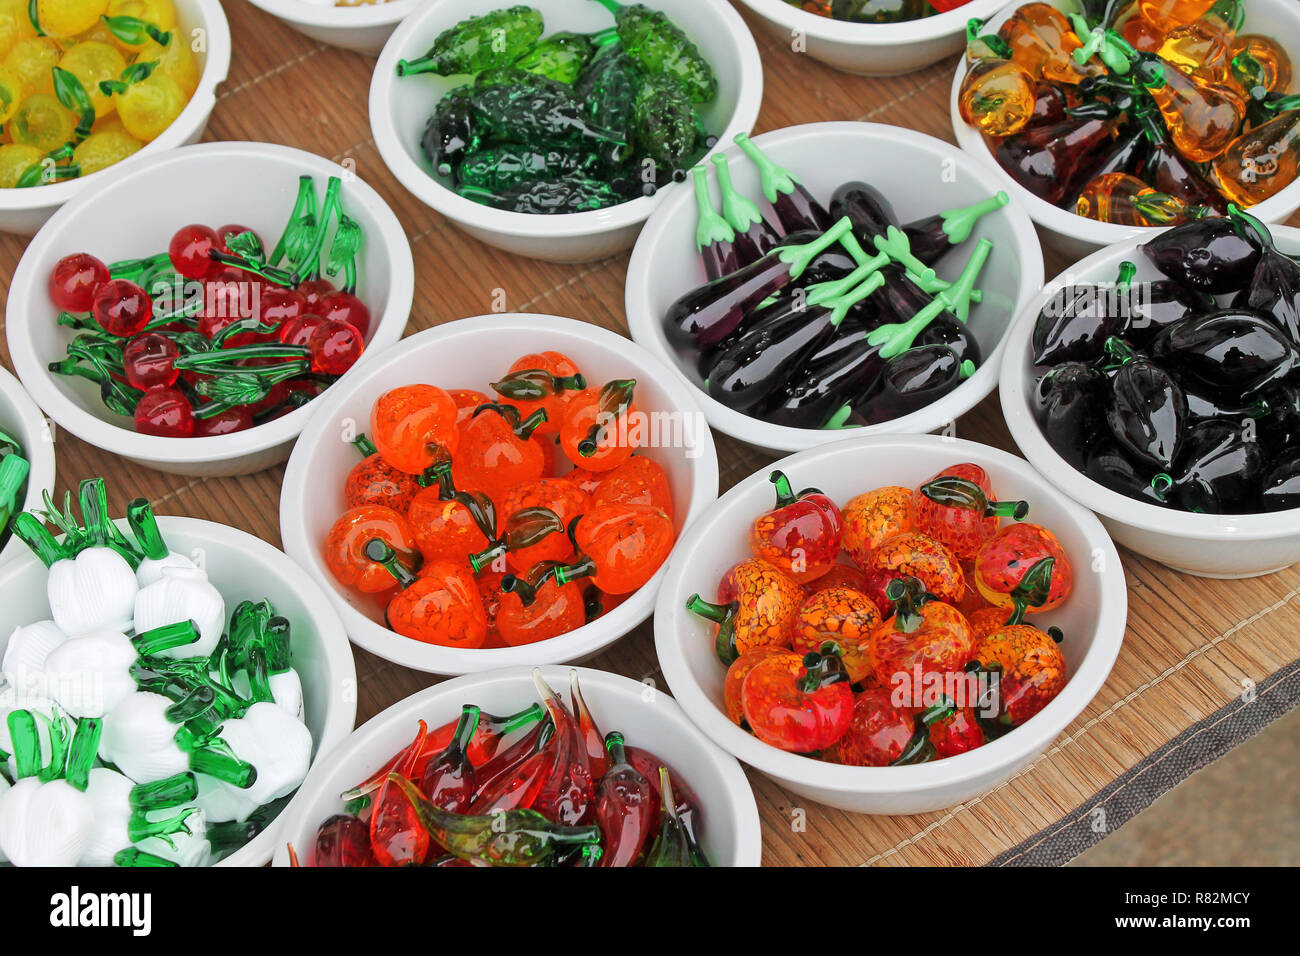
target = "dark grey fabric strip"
x: 1196, y: 747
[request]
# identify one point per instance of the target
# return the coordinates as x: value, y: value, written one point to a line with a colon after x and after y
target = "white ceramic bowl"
x: 1077, y: 236
x: 921, y: 176
x: 399, y: 109
x: 647, y: 718
x: 871, y: 49
x: 241, y: 567
x: 20, y: 418
x: 1216, y: 546
x: 24, y: 210
x: 469, y: 353
x: 365, y: 28
x: 1093, y: 619
x: 253, y: 184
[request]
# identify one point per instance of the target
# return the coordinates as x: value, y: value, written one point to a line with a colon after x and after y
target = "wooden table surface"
x: 1192, y: 646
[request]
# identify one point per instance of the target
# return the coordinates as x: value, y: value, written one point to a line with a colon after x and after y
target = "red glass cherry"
x: 148, y: 361
x: 190, y: 251
x: 277, y: 306
x: 300, y: 329
x: 122, y: 308
x: 335, y: 348
x: 225, y: 232
x: 314, y: 290
x: 236, y: 419
x: 164, y: 412
x: 343, y: 306
x: 74, y: 280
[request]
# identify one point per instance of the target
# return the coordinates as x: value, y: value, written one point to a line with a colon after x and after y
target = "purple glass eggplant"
x: 794, y: 205
x: 1279, y: 430
x: 1280, y: 490
x: 715, y: 240
x: 1211, y: 255
x: 1049, y: 106
x: 910, y: 381
x: 755, y: 236
x: 1232, y: 351
x: 1165, y: 169
x: 866, y: 207
x: 826, y: 385
x: 1067, y: 402
x: 1147, y: 410
x: 1217, y: 471
x: 947, y: 330
x: 1076, y: 322
x: 932, y: 236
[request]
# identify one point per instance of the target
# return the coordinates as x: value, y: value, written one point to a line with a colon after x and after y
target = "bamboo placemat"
x: 1194, y: 647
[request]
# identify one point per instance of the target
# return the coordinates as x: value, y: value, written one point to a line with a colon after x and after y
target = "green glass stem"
x: 304, y: 206
x: 26, y: 743
x: 958, y: 224
x: 775, y: 180
x: 134, y: 268
x: 379, y: 551
x: 799, y: 257
x: 28, y: 529
x: 83, y: 751
x: 141, y: 827
x: 536, y: 384
x: 710, y: 228
x: 13, y: 475
x: 363, y: 444
x: 144, y: 526
x: 329, y: 209
x: 165, y: 637
x: 908, y: 594
x: 723, y: 615
x: 739, y: 211
x: 613, y: 402
x: 162, y: 794
x: 135, y: 857
x: 585, y: 567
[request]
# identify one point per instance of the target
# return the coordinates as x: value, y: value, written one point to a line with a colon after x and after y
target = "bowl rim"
x: 341, y: 709
x: 1014, y: 397
x: 188, y: 122
x: 40, y: 457
x: 27, y: 287
x: 847, y: 33
x: 1062, y: 221
x: 1025, y: 741
x: 434, y: 194
x: 338, y: 17
x: 432, y: 658
x: 644, y: 326
x: 742, y: 813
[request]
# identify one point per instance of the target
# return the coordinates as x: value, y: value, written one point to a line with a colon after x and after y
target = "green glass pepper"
x: 660, y: 47
x: 504, y: 167
x: 479, y: 43
x: 538, y: 112
x: 608, y: 92
x: 665, y: 122
x: 450, y: 134
x: 561, y: 57
x: 880, y: 11
x: 578, y: 194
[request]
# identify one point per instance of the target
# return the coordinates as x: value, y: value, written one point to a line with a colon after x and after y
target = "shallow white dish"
x: 871, y: 49
x: 647, y: 718
x: 20, y: 417
x: 253, y: 184
x: 1217, y: 546
x: 24, y: 210
x: 364, y: 28
x: 469, y: 353
x: 1078, y: 236
x: 1093, y: 619
x: 400, y: 107
x: 823, y: 156
x: 241, y: 567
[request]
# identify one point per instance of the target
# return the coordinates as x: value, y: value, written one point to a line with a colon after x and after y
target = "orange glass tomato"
x: 490, y: 593
x: 1032, y: 670
x: 1023, y: 567
x: 448, y: 524
x: 840, y: 576
x: 440, y: 605
x: 538, y: 607
x: 546, y: 380
x: 345, y: 546
x: 956, y: 508
x: 802, y: 706
x: 638, y: 481
x: 878, y: 733
x: 374, y: 481
x: 600, y: 428
x: 621, y: 547
x: 563, y: 499
x: 757, y: 607
x: 740, y: 669
x: 495, y: 453
x: 926, y: 634
x: 588, y: 481
x: 955, y: 731
x: 801, y: 535
x: 912, y: 554
x: 873, y: 516
x: 843, y: 617
x: 467, y: 399
x: 413, y: 426
x: 985, y: 621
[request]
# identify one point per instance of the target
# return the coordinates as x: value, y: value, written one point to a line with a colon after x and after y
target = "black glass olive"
x: 1211, y: 255
x: 1217, y: 470
x: 1147, y: 413
x: 1067, y: 403
x: 1155, y: 305
x: 1111, y: 468
x: 1204, y: 402
x: 1075, y: 323
x: 1281, y: 486
x: 1236, y: 351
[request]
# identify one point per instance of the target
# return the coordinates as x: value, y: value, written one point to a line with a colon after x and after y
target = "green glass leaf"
x: 248, y: 245
x: 346, y: 244
x: 133, y: 31
x: 237, y: 388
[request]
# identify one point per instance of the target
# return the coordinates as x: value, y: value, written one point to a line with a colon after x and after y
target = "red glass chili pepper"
x: 373, y: 481
x: 1032, y: 670
x: 440, y: 606
x: 878, y: 733
x: 597, y: 754
x: 234, y: 419
x: 1024, y: 568
x: 448, y: 524
x: 495, y: 454
x: 448, y: 781
x: 466, y: 399
x: 599, y: 429
x: 627, y: 808
x: 510, y: 759
x: 924, y: 636
x: 956, y: 508
x: 413, y: 426
x: 342, y: 840
x: 800, y: 708
x: 546, y: 380
x: 148, y: 361
x: 801, y: 535
x: 873, y: 516
x: 561, y: 498
x: 912, y: 554
x: 687, y: 803
x: 757, y: 607
x: 843, y: 617
x: 740, y: 669
x: 620, y: 547
x: 537, y: 607
x: 568, y: 795
x: 74, y: 280
x: 396, y: 836
x: 953, y: 730
x: 638, y: 481
x: 520, y: 789
x: 345, y: 546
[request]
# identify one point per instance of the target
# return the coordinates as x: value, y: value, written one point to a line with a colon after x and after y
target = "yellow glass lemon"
x: 91, y: 62
x: 100, y: 150
x: 41, y: 121
x: 149, y: 106
x: 15, y: 158
x: 65, y: 18
x: 31, y: 61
